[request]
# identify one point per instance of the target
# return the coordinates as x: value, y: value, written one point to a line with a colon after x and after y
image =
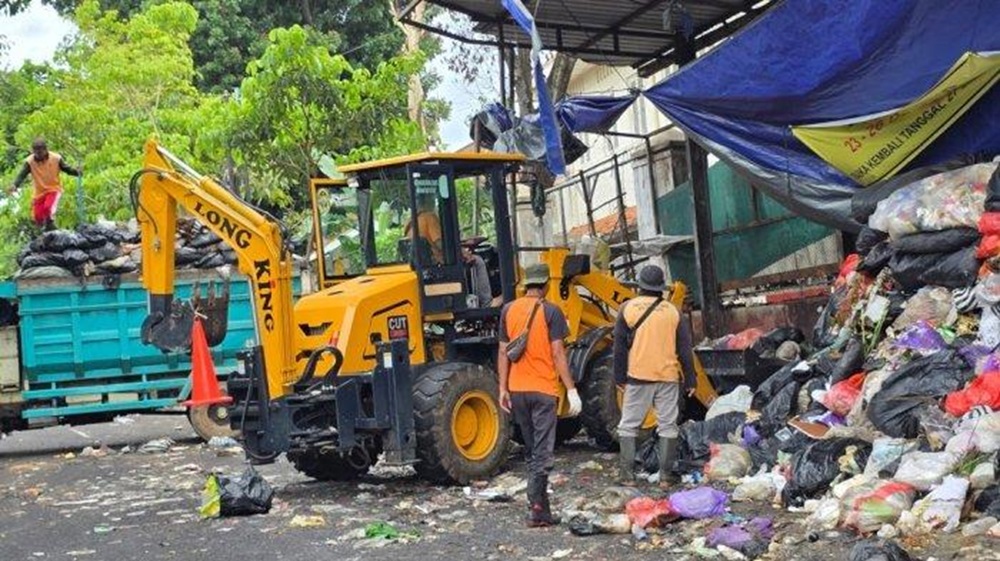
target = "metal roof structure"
x: 634, y: 33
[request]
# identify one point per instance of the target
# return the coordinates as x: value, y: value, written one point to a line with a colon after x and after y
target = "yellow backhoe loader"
x: 394, y: 354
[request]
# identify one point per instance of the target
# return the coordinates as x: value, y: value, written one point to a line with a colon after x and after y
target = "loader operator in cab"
x: 428, y: 226
x: 44, y: 168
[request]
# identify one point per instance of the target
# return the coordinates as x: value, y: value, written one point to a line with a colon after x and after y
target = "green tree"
x: 301, y: 102
x: 231, y: 33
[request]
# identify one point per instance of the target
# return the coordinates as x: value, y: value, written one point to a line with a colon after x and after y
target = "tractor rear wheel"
x: 462, y: 434
x: 567, y: 428
x: 602, y: 404
x: 330, y: 466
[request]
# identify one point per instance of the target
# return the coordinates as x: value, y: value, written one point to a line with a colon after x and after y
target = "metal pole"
x: 562, y: 217
x: 622, y: 219
x: 500, y: 49
x: 587, y: 203
x: 711, y: 304
x: 477, y: 187
x: 81, y: 213
x: 652, y: 185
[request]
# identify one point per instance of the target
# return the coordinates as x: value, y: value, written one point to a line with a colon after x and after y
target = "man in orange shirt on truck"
x: 529, y: 383
x: 44, y: 168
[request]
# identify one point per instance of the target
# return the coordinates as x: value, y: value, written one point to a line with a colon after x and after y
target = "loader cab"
x: 404, y: 213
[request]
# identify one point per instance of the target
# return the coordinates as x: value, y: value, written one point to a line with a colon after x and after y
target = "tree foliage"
x: 231, y: 33
x: 300, y: 102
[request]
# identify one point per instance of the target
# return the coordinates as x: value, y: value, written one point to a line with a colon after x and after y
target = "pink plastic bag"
x: 645, y: 512
x: 844, y: 394
x: 744, y: 339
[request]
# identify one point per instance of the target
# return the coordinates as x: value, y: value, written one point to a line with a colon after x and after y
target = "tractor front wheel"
x: 462, y: 434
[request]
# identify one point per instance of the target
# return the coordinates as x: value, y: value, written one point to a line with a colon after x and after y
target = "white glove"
x: 575, y: 405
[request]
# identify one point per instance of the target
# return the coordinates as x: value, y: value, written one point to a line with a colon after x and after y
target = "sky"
x: 35, y: 33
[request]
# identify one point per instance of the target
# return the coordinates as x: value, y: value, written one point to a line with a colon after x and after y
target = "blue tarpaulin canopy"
x: 814, y: 61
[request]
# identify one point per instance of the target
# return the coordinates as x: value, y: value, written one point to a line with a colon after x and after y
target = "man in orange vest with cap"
x: 44, y: 168
x: 653, y: 360
x: 529, y: 383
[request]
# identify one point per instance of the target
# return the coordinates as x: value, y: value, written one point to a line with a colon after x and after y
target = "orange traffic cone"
x: 204, y: 385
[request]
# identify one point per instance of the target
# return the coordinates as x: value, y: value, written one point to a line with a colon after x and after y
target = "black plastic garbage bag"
x: 768, y: 343
x: 877, y: 259
x: 943, y: 241
x: 57, y: 241
x: 205, y: 239
x: 186, y: 256
x: 97, y: 235
x: 988, y: 502
x: 868, y: 238
x: 74, y: 258
x: 242, y: 495
x: 210, y: 261
x: 878, y: 550
x: 35, y: 260
x: 816, y: 466
x: 646, y: 457
x: 925, y: 380
x: 696, y: 436
x: 850, y: 361
x: 824, y: 333
x: 953, y: 270
x: 106, y: 252
x: 775, y: 382
x: 779, y: 409
x: 907, y: 268
x: 993, y: 192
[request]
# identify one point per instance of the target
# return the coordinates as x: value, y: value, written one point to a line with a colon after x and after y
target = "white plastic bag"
x: 941, y: 509
x: 758, y: 488
x: 924, y: 470
x: 885, y: 452
x: 825, y: 517
x: 951, y: 199
x: 737, y: 400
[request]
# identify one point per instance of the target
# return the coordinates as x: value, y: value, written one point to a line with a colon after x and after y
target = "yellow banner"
x: 872, y: 148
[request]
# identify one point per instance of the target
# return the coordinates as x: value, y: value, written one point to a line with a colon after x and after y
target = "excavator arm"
x: 166, y: 183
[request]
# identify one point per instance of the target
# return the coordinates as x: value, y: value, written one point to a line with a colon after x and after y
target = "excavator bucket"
x: 172, y: 332
x: 214, y: 312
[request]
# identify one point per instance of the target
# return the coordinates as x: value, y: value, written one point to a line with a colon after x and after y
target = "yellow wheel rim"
x: 475, y: 425
x: 647, y: 423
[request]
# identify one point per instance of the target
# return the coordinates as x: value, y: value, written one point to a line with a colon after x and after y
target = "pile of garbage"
x: 109, y: 248
x: 893, y: 426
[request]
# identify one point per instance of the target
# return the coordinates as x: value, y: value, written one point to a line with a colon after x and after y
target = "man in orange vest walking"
x: 529, y: 382
x: 44, y: 168
x: 653, y: 360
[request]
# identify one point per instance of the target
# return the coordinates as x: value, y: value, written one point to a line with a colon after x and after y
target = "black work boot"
x: 540, y: 513
x: 666, y: 450
x: 626, y: 460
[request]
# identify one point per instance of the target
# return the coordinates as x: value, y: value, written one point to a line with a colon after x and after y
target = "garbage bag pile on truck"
x: 109, y: 248
x: 893, y: 425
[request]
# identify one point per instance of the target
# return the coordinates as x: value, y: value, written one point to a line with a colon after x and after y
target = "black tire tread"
x: 323, y: 467
x: 436, y: 462
x: 600, y: 413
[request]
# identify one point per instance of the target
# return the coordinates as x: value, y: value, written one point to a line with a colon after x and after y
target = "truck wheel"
x: 462, y: 433
x: 324, y: 467
x: 602, y: 404
x: 211, y: 420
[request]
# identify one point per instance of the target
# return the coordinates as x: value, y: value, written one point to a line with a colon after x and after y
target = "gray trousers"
x: 663, y: 396
x: 535, y: 415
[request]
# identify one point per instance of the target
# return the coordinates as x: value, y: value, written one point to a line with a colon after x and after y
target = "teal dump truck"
x: 70, y: 351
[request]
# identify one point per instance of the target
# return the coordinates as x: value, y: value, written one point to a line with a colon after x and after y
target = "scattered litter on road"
x: 304, y: 521
x: 243, y: 495
x: 158, y: 446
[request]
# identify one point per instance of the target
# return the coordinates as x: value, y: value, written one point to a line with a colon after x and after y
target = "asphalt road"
x: 59, y: 504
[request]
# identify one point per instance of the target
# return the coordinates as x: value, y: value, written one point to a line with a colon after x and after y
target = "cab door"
x: 434, y: 238
x: 338, y: 247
